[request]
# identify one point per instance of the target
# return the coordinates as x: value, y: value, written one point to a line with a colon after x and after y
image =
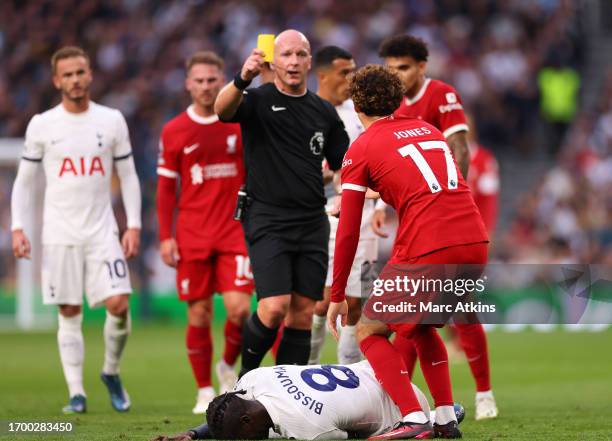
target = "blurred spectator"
x: 559, y: 99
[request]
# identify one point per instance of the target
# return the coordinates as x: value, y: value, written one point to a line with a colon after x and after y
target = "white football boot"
x: 205, y: 396
x: 486, y: 408
x: 226, y: 376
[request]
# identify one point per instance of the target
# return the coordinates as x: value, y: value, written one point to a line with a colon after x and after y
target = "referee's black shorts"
x: 288, y: 250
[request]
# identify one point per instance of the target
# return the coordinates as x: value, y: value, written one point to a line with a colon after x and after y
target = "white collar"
x: 201, y: 119
x: 420, y: 93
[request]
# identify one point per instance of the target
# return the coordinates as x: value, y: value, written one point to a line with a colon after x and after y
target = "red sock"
x: 279, y: 336
x: 406, y: 348
x: 199, y: 351
x: 434, y: 364
x: 473, y: 340
x: 233, y: 342
x: 388, y: 366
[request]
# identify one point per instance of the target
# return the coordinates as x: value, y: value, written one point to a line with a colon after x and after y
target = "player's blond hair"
x: 67, y: 52
x: 204, y: 57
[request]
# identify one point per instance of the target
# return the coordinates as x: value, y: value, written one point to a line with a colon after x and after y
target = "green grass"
x: 548, y: 386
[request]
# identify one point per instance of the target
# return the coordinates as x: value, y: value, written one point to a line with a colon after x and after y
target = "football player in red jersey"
x: 483, y: 179
x: 409, y: 163
x: 208, y: 250
x: 440, y: 105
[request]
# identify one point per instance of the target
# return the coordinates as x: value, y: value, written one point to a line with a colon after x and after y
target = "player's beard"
x: 78, y: 95
x: 207, y: 102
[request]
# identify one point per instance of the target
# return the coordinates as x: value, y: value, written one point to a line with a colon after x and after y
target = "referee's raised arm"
x: 230, y: 96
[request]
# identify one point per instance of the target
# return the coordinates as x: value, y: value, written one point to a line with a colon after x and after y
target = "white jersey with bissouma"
x: 323, y: 401
x: 77, y: 151
x: 354, y: 128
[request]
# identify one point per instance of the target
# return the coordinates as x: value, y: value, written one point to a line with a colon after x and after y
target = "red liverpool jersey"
x: 483, y: 180
x: 409, y: 163
x: 206, y: 155
x: 437, y: 103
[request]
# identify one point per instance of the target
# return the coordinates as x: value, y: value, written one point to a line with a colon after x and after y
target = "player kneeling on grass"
x: 78, y: 142
x: 303, y: 402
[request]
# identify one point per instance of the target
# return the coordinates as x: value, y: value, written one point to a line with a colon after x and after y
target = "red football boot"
x: 406, y: 430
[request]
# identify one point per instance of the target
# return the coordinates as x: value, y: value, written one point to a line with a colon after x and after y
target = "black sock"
x: 257, y: 339
x: 294, y: 347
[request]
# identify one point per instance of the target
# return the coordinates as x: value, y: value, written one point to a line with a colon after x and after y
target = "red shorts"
x: 199, y: 279
x: 474, y: 255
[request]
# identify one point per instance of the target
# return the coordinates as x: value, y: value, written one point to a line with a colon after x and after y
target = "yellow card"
x: 265, y: 43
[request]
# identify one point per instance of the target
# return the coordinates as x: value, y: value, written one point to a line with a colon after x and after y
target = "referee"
x: 287, y: 132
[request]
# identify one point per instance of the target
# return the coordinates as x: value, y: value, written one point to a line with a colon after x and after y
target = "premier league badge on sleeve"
x: 316, y: 143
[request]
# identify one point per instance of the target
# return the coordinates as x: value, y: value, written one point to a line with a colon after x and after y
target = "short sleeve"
x: 34, y: 146
x: 450, y: 108
x: 355, y: 168
x: 247, y: 107
x: 168, y: 160
x: 122, y: 148
x: 338, y: 142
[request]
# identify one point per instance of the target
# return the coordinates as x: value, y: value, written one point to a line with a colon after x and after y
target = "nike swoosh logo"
x: 191, y: 148
x: 404, y: 372
x: 241, y: 282
x: 435, y: 363
x: 278, y: 109
x: 251, y: 351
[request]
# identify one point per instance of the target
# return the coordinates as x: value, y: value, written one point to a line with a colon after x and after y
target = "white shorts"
x: 100, y: 270
x: 362, y: 268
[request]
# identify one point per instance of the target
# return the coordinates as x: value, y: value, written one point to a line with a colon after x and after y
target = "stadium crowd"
x: 568, y: 217
x: 490, y: 51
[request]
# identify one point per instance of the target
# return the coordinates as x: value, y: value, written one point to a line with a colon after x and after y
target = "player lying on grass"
x: 303, y: 402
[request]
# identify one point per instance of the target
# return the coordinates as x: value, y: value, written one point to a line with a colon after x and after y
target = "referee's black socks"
x: 294, y: 347
x: 257, y: 339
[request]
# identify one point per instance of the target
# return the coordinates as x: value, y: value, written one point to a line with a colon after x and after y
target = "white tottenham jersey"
x: 77, y: 151
x: 323, y: 401
x: 354, y: 128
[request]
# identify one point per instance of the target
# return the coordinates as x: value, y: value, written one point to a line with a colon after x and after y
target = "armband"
x: 240, y: 83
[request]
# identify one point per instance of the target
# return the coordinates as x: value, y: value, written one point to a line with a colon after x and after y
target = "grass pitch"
x: 555, y: 386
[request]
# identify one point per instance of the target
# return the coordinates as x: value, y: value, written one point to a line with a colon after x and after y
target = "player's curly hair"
x: 404, y: 46
x: 376, y: 91
x: 223, y: 415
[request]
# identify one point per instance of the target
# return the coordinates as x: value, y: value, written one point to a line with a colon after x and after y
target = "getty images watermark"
x: 493, y: 294
x: 431, y: 289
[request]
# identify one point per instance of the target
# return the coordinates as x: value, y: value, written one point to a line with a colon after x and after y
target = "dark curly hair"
x: 376, y: 91
x: 223, y: 415
x: 404, y: 46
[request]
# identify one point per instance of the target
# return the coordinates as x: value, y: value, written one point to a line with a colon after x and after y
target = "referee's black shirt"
x: 285, y: 139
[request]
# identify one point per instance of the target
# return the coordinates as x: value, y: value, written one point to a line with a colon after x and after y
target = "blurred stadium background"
x: 535, y: 74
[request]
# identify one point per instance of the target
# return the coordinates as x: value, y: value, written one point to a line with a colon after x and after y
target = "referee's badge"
x: 316, y: 143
